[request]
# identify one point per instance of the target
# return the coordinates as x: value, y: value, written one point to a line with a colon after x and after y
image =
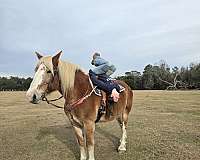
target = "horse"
x: 81, y: 104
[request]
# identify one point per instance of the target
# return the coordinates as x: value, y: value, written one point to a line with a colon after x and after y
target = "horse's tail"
x: 129, y: 96
x: 128, y: 107
x: 128, y: 104
x: 130, y: 101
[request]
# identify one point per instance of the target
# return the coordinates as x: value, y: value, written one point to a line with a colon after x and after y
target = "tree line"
x: 160, y: 76
x: 154, y: 77
x: 14, y: 83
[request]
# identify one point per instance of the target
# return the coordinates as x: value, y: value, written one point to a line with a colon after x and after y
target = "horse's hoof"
x: 83, y: 158
x: 121, y: 149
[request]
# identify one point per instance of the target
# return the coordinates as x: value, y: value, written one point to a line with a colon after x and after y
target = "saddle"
x: 106, y: 105
x: 105, y: 83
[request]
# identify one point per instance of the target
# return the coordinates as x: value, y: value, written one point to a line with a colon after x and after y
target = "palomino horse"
x: 52, y: 74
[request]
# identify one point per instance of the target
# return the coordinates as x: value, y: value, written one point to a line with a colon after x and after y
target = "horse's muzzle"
x: 34, y: 99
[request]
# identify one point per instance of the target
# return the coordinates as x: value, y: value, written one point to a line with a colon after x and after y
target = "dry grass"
x: 162, y: 125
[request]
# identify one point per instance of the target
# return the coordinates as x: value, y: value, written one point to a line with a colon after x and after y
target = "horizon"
x: 115, y: 75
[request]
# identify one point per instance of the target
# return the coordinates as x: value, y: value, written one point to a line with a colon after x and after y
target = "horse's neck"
x: 81, y: 85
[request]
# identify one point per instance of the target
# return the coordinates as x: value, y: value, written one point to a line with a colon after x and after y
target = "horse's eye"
x: 48, y: 71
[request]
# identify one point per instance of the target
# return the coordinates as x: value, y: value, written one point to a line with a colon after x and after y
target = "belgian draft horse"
x: 53, y: 74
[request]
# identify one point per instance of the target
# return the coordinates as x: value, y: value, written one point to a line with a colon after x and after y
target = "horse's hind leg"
x: 123, y: 121
x: 81, y: 142
x: 123, y: 124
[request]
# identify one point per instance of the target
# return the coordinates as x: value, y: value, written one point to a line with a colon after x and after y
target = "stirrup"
x: 102, y: 109
x: 110, y: 100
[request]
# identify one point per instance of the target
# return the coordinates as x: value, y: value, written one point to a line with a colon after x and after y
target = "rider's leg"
x: 107, y: 88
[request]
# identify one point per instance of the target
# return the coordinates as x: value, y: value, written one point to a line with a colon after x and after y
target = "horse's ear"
x: 38, y: 55
x: 55, y: 59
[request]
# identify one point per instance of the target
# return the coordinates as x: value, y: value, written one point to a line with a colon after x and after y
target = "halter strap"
x: 73, y: 104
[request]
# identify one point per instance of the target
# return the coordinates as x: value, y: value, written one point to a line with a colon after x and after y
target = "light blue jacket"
x: 99, y: 61
x: 103, y: 66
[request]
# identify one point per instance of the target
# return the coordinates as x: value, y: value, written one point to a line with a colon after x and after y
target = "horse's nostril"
x: 34, y: 97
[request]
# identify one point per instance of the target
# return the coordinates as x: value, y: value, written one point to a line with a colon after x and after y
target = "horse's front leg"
x: 89, y: 131
x: 81, y: 142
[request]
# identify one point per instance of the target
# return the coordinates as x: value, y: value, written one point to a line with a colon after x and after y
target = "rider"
x: 100, y: 76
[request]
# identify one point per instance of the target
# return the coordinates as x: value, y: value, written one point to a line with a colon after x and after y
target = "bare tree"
x: 175, y: 83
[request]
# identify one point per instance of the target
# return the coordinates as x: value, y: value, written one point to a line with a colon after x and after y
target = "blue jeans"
x: 104, y: 69
x: 102, y: 82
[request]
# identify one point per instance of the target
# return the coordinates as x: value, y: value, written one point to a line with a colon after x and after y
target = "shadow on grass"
x: 64, y: 134
x: 114, y: 139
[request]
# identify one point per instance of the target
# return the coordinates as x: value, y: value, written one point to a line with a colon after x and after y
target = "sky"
x: 130, y: 34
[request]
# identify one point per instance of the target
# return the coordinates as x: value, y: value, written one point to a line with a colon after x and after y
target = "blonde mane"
x: 66, y: 70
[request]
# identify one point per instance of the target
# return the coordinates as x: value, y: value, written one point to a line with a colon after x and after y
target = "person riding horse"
x: 100, y: 76
x: 53, y: 74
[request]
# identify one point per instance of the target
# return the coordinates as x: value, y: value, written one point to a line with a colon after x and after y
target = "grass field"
x: 163, y: 125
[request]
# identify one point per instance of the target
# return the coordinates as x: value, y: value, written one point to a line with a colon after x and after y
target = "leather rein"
x: 73, y: 104
x: 44, y: 98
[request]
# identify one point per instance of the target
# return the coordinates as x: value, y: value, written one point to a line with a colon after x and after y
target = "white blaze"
x: 37, y: 80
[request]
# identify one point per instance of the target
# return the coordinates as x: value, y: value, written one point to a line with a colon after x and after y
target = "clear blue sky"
x: 129, y: 33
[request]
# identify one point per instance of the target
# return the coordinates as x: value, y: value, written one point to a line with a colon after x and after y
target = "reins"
x: 49, y: 101
x: 72, y: 105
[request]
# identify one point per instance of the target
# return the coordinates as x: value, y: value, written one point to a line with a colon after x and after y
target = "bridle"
x: 44, y: 98
x: 71, y: 106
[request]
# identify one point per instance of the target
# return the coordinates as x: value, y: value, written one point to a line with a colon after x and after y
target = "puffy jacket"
x: 99, y: 61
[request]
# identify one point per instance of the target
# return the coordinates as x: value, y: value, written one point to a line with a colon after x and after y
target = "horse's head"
x: 46, y: 78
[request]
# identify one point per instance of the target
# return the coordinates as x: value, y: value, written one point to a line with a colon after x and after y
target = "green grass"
x: 163, y: 125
